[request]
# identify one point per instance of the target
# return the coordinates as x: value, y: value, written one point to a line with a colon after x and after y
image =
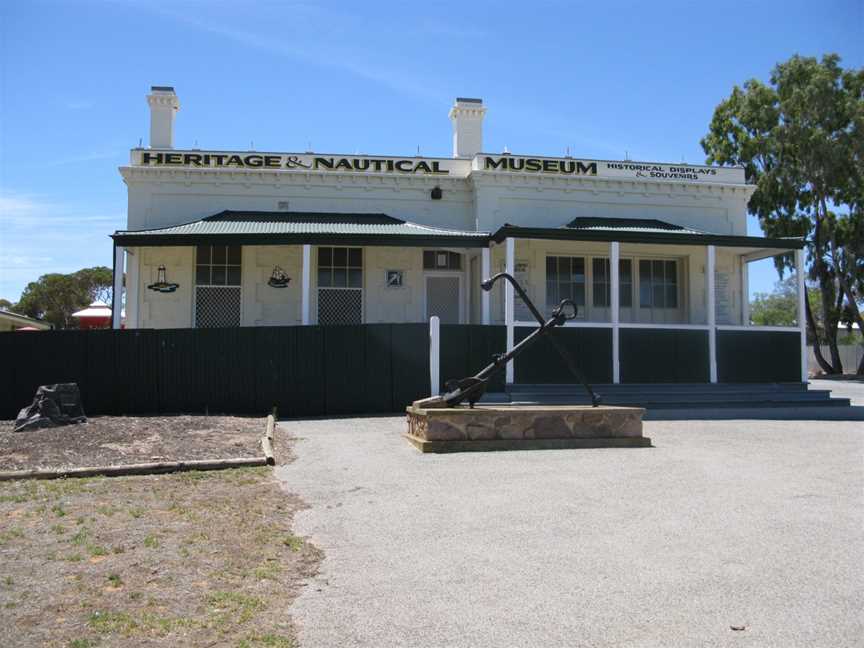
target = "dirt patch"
x: 190, y: 559
x: 118, y: 440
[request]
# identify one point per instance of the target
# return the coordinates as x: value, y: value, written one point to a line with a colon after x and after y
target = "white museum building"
x: 252, y: 238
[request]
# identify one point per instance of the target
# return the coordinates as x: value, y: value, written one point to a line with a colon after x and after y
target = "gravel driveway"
x: 724, y: 523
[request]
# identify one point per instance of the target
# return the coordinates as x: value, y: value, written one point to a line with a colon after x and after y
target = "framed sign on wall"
x: 393, y: 278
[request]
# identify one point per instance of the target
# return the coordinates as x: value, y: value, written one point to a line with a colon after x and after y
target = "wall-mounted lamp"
x: 162, y: 284
x: 278, y: 279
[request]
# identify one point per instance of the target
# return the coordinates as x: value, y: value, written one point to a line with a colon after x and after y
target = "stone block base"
x: 514, y: 427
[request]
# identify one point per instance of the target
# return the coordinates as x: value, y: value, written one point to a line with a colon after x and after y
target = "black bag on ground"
x: 53, y: 405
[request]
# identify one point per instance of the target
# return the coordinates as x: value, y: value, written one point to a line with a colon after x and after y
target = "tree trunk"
x: 826, y: 290
x: 831, y: 335
x: 846, y: 290
x: 817, y: 349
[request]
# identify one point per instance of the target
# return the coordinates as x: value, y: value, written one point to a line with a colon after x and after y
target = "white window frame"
x: 679, y: 281
x: 362, y: 287
x: 196, y: 285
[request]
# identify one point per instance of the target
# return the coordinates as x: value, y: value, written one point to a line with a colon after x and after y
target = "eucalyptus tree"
x: 800, y: 138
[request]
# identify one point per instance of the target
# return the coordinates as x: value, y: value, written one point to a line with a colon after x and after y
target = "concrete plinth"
x: 524, y: 427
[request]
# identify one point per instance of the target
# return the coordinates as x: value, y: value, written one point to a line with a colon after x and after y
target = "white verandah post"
x: 614, y: 302
x: 485, y: 273
x: 509, y: 302
x: 434, y: 356
x: 117, y: 292
x: 306, y: 281
x: 745, y: 291
x: 711, y: 312
x: 802, y: 312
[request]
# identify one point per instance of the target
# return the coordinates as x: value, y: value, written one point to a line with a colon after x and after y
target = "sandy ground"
x: 195, y: 559
x: 116, y: 440
x: 747, y: 524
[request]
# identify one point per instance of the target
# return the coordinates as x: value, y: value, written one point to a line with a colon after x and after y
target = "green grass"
x: 269, y: 640
x: 136, y: 512
x: 151, y: 542
x: 127, y: 625
x: 83, y: 643
x: 80, y: 537
x: 106, y: 622
x: 10, y: 534
x: 294, y: 543
x: 59, y: 529
x: 269, y: 570
x: 228, y: 608
x: 58, y: 510
x: 97, y: 550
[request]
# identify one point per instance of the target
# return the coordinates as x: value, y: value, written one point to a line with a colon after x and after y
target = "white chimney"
x: 467, y: 118
x: 164, y: 104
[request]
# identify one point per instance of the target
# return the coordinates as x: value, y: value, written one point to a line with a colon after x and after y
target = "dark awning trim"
x: 659, y: 238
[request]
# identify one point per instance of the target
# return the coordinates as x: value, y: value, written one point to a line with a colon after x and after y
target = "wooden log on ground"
x: 136, y: 469
x: 271, y: 427
x: 267, y: 447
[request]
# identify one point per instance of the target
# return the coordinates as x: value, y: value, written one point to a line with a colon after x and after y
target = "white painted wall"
x: 163, y: 310
x: 264, y: 305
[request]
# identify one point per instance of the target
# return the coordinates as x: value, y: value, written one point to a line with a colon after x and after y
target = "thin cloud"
x: 294, y: 50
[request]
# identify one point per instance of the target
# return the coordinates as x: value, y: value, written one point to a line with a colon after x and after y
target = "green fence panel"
x: 468, y: 348
x: 409, y: 351
x: 590, y: 348
x: 377, y: 380
x: 758, y: 356
x: 664, y: 356
x: 344, y: 362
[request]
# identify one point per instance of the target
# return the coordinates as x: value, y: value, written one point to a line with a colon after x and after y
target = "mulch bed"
x: 121, y: 440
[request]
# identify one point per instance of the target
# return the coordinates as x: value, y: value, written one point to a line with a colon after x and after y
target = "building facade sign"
x: 607, y: 169
x: 290, y: 162
x: 461, y: 168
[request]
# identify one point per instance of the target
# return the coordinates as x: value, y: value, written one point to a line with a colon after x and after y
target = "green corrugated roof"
x: 629, y: 225
x: 284, y: 227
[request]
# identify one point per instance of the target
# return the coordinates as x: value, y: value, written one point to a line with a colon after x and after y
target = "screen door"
x: 443, y: 298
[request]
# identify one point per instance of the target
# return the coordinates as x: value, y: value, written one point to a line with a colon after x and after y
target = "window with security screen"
x: 217, y: 286
x: 340, y: 285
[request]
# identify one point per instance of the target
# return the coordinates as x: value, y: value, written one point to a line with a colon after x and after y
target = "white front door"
x: 444, y: 298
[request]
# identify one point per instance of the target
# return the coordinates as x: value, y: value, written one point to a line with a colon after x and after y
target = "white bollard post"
x: 435, y: 355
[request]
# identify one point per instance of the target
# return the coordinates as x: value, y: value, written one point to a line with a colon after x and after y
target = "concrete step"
x: 665, y: 387
x: 694, y: 397
x: 691, y: 404
x: 831, y: 413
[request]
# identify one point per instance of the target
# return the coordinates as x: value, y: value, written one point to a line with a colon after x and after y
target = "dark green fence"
x: 591, y: 348
x: 364, y: 369
x: 303, y: 370
x: 467, y: 348
x: 758, y: 356
x: 664, y: 356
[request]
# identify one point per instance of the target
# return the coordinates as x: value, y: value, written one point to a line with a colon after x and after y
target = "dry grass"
x: 190, y: 559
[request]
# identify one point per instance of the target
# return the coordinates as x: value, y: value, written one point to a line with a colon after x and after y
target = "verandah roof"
x: 280, y: 228
x: 640, y: 230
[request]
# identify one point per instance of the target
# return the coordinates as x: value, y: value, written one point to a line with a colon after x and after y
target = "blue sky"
x: 605, y: 79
